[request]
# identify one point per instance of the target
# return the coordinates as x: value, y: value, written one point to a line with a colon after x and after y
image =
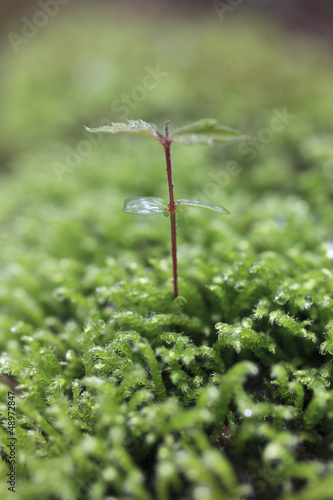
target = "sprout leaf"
x: 132, y: 126
x: 145, y: 206
x: 207, y: 132
x: 201, y: 204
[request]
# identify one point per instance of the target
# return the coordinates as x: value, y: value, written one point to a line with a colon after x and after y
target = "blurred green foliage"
x: 226, y: 391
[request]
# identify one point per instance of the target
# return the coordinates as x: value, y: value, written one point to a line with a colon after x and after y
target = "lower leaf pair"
x: 150, y: 205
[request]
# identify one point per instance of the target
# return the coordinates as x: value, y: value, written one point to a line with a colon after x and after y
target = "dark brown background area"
x: 315, y: 16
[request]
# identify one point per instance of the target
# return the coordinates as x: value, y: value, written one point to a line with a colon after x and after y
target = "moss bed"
x: 120, y: 391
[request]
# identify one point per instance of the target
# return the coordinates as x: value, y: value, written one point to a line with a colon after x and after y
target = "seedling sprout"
x: 206, y: 132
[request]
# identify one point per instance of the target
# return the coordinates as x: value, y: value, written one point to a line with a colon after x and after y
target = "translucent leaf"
x: 132, y: 126
x: 207, y: 131
x: 201, y: 204
x: 145, y: 206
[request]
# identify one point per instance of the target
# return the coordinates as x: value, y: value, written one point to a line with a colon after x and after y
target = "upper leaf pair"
x: 206, y: 131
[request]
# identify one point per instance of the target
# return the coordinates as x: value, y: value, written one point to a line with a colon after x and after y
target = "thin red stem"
x: 172, y: 209
x: 174, y: 252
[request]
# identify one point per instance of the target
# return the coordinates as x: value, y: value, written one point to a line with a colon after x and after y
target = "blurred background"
x: 313, y: 16
x: 264, y: 67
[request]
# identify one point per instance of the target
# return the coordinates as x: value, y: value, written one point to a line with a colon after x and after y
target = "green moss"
x: 226, y: 392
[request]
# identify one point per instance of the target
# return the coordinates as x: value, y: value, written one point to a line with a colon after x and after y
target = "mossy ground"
x: 226, y: 392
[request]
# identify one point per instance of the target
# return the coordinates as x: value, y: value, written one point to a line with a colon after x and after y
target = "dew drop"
x: 326, y: 302
x: 329, y: 252
x: 70, y: 355
x: 308, y: 303
x: 254, y: 268
x: 280, y: 299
